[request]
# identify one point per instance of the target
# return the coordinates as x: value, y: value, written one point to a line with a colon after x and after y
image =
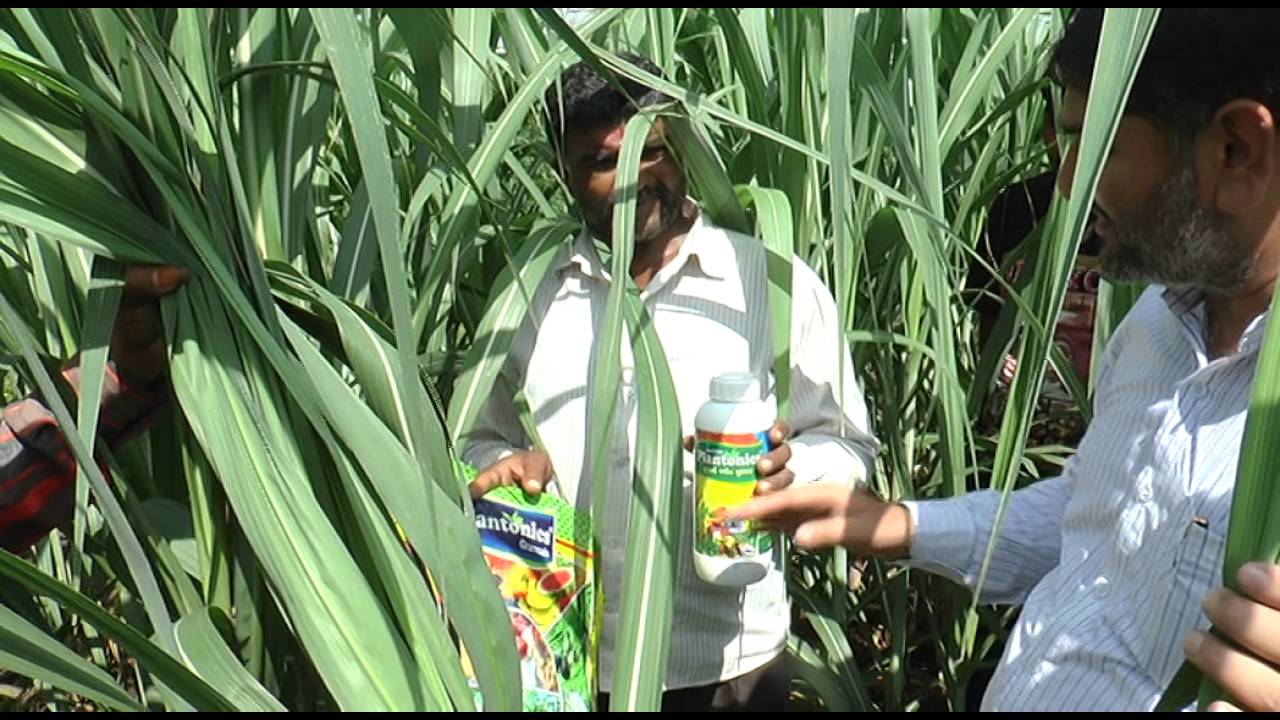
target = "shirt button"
x: 1144, y: 484
x: 1144, y: 490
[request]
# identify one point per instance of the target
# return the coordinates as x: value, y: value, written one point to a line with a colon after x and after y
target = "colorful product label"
x: 725, y: 475
x: 539, y: 552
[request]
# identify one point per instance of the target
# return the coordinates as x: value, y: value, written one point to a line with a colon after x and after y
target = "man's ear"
x: 1235, y: 156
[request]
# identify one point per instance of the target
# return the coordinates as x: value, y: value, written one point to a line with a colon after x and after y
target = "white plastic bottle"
x: 732, y: 435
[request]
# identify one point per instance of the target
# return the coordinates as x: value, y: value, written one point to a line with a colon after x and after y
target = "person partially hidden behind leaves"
x: 37, y: 468
x: 1116, y: 562
x: 705, y: 290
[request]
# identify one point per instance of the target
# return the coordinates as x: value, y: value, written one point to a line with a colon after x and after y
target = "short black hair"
x: 1198, y: 60
x: 584, y: 99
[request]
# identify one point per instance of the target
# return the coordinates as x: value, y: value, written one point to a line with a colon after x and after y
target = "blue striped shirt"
x: 1111, y: 559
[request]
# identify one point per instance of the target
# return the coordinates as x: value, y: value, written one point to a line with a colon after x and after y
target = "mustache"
x: 651, y: 193
x: 648, y: 193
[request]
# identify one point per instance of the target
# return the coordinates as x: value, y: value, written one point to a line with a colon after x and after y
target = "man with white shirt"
x: 1114, y: 560
x: 705, y: 289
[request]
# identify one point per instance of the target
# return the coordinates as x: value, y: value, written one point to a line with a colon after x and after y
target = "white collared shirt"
x: 710, y: 309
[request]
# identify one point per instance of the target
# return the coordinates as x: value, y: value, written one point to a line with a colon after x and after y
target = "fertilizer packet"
x: 540, y: 552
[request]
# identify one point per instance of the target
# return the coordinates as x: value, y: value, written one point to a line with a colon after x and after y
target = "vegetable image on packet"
x: 540, y: 551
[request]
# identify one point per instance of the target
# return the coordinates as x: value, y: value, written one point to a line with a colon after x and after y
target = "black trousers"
x: 765, y: 689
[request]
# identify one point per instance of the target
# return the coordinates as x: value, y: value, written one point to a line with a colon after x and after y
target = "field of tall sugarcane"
x: 364, y: 199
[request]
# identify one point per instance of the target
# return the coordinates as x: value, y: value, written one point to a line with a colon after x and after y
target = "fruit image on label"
x: 539, y: 551
x: 725, y: 476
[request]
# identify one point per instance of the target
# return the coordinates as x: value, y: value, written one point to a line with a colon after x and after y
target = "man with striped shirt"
x: 706, y: 292
x: 1116, y: 561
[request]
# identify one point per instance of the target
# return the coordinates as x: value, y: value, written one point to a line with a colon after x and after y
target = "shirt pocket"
x: 1174, y: 608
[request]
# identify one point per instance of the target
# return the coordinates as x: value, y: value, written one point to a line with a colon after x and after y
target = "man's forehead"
x: 609, y: 138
